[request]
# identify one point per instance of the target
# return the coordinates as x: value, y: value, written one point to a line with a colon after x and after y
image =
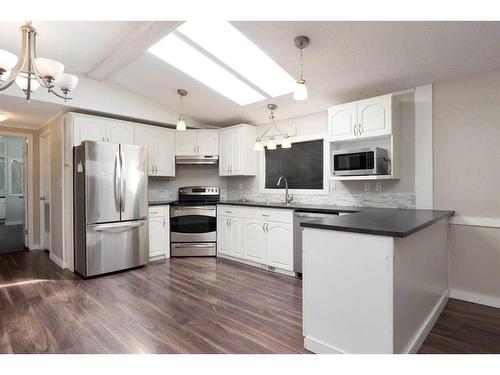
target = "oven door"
x: 193, y: 224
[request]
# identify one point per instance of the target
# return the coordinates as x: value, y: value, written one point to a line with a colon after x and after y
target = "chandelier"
x: 271, y: 144
x: 30, y: 72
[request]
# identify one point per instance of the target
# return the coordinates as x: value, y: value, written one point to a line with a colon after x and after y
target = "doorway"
x: 12, y: 194
x: 45, y: 191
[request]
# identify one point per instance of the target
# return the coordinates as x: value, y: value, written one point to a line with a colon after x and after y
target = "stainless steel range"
x: 193, y: 222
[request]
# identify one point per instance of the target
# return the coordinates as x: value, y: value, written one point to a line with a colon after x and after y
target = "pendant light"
x: 181, y: 124
x: 271, y: 144
x: 300, y: 90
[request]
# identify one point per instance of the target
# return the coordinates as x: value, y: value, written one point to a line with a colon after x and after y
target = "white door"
x: 225, y: 152
x: 208, y: 142
x: 341, y: 121
x: 45, y: 191
x: 146, y: 136
x: 88, y: 129
x: 119, y: 132
x: 157, y: 236
x: 374, y: 116
x: 254, y: 241
x: 223, y: 235
x: 185, y: 142
x: 164, y: 152
x: 236, y: 237
x: 280, y: 245
x: 236, y: 151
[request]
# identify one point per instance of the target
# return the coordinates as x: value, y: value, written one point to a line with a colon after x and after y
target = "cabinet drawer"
x: 158, y: 211
x: 257, y: 213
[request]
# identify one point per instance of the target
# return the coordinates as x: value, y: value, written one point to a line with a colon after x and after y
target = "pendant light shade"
x: 181, y: 124
x: 300, y: 90
x: 66, y: 82
x: 48, y: 68
x: 258, y: 145
x: 271, y: 145
x: 22, y: 83
x: 285, y: 143
x: 4, y: 76
x: 7, y: 60
x: 3, y: 116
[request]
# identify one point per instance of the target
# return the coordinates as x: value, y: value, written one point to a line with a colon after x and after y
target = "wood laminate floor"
x: 183, y: 305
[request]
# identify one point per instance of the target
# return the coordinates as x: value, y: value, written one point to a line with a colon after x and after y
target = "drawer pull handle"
x: 265, y: 215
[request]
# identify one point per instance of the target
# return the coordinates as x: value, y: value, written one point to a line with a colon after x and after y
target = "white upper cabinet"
x: 342, y: 120
x: 119, y: 132
x: 88, y: 128
x: 208, y: 142
x: 375, y: 116
x: 197, y: 142
x: 362, y: 119
x: 160, y: 144
x: 237, y: 156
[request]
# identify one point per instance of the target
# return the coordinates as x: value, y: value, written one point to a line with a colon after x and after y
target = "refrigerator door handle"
x: 118, y: 227
x: 118, y: 178
x: 123, y: 184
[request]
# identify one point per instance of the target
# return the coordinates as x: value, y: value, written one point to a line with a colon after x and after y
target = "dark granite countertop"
x: 159, y: 203
x: 391, y: 222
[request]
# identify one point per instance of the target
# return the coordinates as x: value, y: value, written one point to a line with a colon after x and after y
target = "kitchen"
x: 274, y: 220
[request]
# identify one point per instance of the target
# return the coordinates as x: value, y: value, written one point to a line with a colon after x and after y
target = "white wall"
x: 14, y: 204
x: 400, y: 193
x: 467, y: 179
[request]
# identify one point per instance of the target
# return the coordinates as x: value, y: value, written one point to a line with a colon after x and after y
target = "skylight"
x: 230, y: 46
x: 184, y: 57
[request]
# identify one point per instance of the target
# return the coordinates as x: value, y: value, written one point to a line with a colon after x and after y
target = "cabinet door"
x: 119, y: 132
x: 185, y: 142
x: 254, y: 241
x: 145, y: 136
x: 374, y: 116
x: 165, y: 152
x: 157, y: 236
x: 236, y: 237
x: 280, y: 245
x: 223, y: 234
x: 341, y: 121
x: 208, y: 142
x: 88, y: 128
x: 236, y: 152
x: 225, y: 152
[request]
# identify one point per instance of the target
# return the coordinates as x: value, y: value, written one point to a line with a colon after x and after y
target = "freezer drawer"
x: 113, y: 247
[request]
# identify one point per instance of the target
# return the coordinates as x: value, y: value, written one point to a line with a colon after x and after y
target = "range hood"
x: 197, y: 160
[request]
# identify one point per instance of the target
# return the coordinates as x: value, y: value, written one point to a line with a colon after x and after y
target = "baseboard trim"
x: 318, y: 347
x: 13, y: 222
x: 426, y: 327
x: 57, y: 260
x: 474, y: 297
x: 488, y: 222
x: 156, y: 257
x: 255, y: 264
x: 34, y: 247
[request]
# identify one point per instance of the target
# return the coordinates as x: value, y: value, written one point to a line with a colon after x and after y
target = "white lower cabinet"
x: 159, y: 232
x: 262, y: 236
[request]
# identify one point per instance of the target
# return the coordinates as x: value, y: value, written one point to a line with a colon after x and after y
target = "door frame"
x: 45, y: 134
x: 28, y: 173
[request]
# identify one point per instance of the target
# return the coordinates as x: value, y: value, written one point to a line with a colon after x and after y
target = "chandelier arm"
x: 277, y: 129
x: 41, y: 80
x: 20, y: 64
x: 60, y: 96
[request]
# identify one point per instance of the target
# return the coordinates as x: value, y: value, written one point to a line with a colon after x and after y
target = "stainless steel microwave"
x: 361, y: 162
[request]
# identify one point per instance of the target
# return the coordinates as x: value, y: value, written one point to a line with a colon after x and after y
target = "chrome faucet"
x: 288, y: 197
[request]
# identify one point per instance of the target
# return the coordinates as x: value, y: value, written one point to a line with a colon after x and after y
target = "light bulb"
x: 285, y: 143
x: 258, y: 146
x: 7, y: 60
x: 300, y: 90
x: 181, y: 124
x: 271, y: 145
x: 22, y: 82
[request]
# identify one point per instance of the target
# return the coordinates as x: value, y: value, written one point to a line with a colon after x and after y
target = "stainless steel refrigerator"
x: 110, y: 207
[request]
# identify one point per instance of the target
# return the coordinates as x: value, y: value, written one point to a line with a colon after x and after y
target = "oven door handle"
x: 192, y: 211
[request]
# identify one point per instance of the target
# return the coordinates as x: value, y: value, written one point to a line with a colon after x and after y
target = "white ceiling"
x: 32, y: 115
x: 345, y: 60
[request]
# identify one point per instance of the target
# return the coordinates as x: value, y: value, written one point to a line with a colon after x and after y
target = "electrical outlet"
x: 332, y: 185
x: 367, y: 186
x: 378, y: 187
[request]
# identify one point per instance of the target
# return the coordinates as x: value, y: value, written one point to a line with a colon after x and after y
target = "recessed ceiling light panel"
x: 234, y: 49
x: 189, y: 60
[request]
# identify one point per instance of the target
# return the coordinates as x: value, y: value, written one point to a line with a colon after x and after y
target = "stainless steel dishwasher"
x: 299, y: 217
